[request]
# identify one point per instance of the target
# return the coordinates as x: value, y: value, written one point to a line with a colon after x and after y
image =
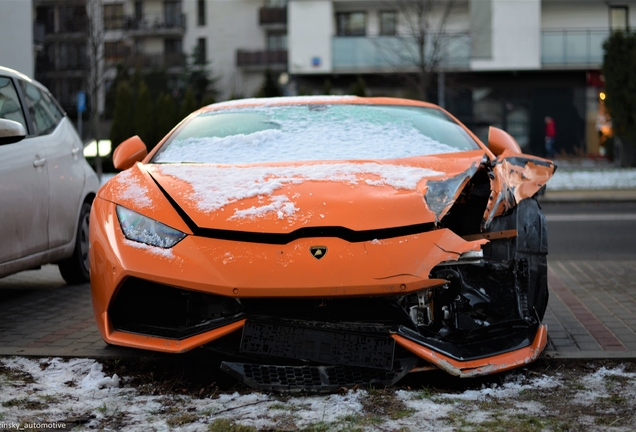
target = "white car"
x: 46, y: 185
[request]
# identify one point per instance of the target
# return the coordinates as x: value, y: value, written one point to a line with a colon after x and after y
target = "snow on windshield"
x: 314, y: 132
x: 216, y: 186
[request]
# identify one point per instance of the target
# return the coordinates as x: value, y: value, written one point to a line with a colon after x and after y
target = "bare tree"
x: 95, y: 77
x: 422, y: 42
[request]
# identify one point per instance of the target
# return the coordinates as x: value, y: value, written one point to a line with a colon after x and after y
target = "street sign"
x: 81, y: 102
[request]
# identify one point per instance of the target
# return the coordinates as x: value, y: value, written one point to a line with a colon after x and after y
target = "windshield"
x: 314, y: 132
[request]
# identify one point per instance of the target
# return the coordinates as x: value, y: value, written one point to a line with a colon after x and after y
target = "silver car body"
x: 44, y: 179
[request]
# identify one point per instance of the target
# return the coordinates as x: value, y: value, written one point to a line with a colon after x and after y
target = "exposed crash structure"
x: 313, y: 274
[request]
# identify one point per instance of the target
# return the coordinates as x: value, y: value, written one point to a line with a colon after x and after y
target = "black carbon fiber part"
x: 320, y: 379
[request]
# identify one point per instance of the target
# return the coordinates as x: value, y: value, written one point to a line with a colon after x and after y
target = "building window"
x: 619, y: 18
x: 352, y: 23
x: 201, y: 12
x: 388, y: 23
x: 276, y: 41
x: 275, y: 3
x: 113, y: 16
x: 200, y: 53
x: 114, y: 52
x: 72, y: 19
x: 46, y: 16
x: 172, y: 14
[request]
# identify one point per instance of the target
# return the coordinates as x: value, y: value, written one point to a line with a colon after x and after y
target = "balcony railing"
x: 573, y: 47
x: 272, y: 15
x: 388, y: 53
x: 159, y: 23
x: 156, y: 61
x: 274, y: 59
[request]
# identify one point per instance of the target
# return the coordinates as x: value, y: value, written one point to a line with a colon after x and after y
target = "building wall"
x: 16, y: 26
x: 310, y: 29
x: 516, y: 36
x: 229, y: 26
x: 558, y: 15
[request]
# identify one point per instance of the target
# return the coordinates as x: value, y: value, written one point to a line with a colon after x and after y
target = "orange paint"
x: 484, y: 366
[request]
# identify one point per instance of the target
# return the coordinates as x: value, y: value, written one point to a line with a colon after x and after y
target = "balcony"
x: 360, y: 54
x: 573, y: 48
x: 272, y: 16
x: 275, y: 60
x: 156, y: 25
x: 156, y: 61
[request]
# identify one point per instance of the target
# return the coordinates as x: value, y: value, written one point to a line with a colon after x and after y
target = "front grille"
x: 319, y: 345
x: 153, y: 309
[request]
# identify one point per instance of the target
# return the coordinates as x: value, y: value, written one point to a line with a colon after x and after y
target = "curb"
x: 588, y: 355
x: 606, y: 195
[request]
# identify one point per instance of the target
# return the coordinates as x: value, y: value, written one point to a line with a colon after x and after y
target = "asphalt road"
x: 601, y: 231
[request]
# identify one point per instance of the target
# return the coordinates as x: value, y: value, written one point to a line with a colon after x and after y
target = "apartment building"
x: 16, y: 25
x: 240, y: 38
x: 505, y: 63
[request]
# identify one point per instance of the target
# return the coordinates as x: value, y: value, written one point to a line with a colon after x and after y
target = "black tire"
x: 74, y: 270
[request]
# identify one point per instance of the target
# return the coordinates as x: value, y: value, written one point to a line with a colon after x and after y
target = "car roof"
x: 14, y: 73
x: 304, y: 100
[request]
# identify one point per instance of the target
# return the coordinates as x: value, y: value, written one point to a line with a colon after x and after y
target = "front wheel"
x: 74, y: 270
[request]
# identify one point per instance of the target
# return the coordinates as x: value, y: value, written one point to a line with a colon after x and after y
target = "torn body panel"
x: 514, y: 178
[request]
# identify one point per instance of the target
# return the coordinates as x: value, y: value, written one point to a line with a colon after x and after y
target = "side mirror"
x: 500, y: 140
x: 11, y: 132
x: 129, y: 152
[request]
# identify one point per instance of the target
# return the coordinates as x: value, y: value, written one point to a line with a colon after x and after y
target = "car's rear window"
x: 314, y: 132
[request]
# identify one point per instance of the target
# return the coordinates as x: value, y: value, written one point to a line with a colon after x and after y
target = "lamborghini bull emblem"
x: 318, y: 251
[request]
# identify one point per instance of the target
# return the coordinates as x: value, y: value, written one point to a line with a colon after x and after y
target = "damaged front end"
x: 483, y: 316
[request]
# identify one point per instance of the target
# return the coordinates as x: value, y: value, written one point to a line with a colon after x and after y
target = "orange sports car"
x: 321, y: 242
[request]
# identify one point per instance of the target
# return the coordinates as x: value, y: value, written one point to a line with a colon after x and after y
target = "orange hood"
x: 283, y: 197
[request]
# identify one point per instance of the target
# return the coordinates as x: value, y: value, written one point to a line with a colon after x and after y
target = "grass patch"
x: 182, y: 419
x: 225, y: 425
x: 25, y: 404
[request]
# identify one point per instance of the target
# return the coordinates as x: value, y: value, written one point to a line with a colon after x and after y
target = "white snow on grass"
x: 129, y: 188
x: 596, y: 384
x: 594, y: 179
x: 78, y: 388
x: 217, y: 186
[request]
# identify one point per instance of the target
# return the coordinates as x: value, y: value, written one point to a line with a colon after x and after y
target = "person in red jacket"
x: 550, y: 135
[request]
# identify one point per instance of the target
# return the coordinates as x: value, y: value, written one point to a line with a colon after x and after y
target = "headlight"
x: 145, y: 230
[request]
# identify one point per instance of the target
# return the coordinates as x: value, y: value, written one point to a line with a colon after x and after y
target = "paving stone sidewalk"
x: 591, y: 313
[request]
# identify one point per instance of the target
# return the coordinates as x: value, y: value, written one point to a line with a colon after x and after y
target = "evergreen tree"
x: 619, y: 64
x: 326, y: 88
x: 165, y: 115
x: 270, y: 87
x: 111, y: 94
x: 358, y: 88
x: 143, y: 117
x: 123, y: 126
x: 188, y: 105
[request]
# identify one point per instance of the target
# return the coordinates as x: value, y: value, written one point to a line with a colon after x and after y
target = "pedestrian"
x: 550, y: 135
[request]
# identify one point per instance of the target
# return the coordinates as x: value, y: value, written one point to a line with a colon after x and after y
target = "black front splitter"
x: 315, y: 379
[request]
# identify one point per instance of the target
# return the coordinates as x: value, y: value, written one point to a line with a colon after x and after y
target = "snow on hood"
x: 282, y: 197
x: 217, y: 186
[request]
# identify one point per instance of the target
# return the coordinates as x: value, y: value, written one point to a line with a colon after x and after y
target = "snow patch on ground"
x: 78, y: 388
x: 612, y: 178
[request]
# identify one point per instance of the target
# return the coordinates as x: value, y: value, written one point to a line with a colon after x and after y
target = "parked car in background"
x: 321, y: 242
x: 46, y: 185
